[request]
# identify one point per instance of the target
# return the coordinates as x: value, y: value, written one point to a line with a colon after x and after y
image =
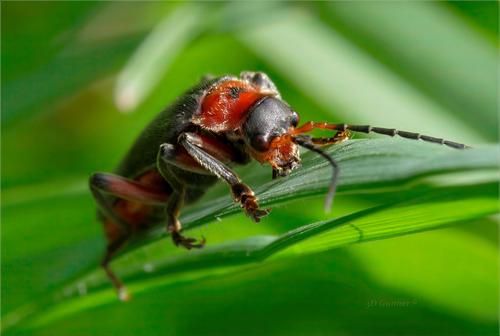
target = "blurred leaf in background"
x: 71, y: 69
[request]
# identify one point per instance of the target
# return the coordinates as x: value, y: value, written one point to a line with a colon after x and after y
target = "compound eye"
x: 295, y: 119
x: 260, y: 143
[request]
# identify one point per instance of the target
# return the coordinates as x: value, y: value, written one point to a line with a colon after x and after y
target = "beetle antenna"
x: 309, y: 126
x: 305, y: 141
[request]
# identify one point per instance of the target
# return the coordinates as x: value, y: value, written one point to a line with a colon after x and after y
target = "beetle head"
x: 266, y: 133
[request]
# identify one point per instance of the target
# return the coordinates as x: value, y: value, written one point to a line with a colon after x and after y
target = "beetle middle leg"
x: 167, y: 155
x: 173, y: 224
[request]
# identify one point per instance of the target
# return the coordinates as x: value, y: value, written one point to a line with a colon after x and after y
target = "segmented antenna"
x: 393, y: 132
x: 312, y: 144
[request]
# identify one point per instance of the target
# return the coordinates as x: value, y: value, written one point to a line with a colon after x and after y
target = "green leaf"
x: 451, y: 47
x: 435, y: 208
x: 426, y: 67
x: 88, y: 48
x: 423, y: 259
x: 155, y: 54
x: 336, y: 73
x: 366, y: 166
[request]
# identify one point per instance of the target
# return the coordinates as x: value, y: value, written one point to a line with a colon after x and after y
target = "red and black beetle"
x: 191, y: 144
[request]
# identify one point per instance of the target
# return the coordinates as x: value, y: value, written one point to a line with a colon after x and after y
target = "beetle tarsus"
x: 246, y: 197
x: 188, y: 243
x: 121, y: 290
x: 250, y: 205
x: 257, y: 214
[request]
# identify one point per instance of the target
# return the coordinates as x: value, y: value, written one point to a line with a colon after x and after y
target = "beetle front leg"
x: 336, y: 139
x: 311, y: 125
x: 193, y: 143
x: 246, y: 197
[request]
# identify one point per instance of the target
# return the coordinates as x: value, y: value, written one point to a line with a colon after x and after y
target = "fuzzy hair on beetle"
x: 191, y: 144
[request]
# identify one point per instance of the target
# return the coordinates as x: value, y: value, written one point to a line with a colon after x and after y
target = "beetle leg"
x: 127, y: 189
x: 310, y: 125
x: 242, y: 194
x: 337, y: 138
x: 102, y: 184
x: 99, y: 186
x: 167, y: 154
x: 174, y: 225
x: 111, y: 250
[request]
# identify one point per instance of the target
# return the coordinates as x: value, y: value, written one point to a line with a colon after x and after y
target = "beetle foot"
x: 251, y: 206
x: 246, y: 197
x: 188, y: 243
x: 123, y: 294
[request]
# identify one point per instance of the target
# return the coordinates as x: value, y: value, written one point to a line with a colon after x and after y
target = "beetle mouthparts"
x: 286, y: 169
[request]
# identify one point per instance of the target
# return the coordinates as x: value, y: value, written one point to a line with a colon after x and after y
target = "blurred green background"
x: 80, y: 80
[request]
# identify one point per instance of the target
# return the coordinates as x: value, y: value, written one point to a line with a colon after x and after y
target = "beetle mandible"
x: 219, y: 122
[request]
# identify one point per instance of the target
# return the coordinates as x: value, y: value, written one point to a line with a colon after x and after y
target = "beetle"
x: 220, y: 122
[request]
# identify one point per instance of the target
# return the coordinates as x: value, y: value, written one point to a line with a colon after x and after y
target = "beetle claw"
x: 256, y: 214
x: 252, y: 210
x: 188, y: 243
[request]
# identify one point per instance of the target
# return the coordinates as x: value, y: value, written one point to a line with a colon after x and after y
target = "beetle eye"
x: 295, y: 119
x: 260, y: 143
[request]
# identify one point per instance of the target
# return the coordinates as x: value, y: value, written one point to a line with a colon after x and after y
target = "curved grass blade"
x: 413, y: 32
x: 155, y: 54
x: 335, y: 72
x: 366, y: 166
x: 423, y: 211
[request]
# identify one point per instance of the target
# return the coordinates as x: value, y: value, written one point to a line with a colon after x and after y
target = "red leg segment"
x: 125, y: 215
x: 128, y: 189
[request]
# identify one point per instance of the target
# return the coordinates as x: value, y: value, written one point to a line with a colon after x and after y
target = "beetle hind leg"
x: 113, y: 195
x: 111, y: 250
